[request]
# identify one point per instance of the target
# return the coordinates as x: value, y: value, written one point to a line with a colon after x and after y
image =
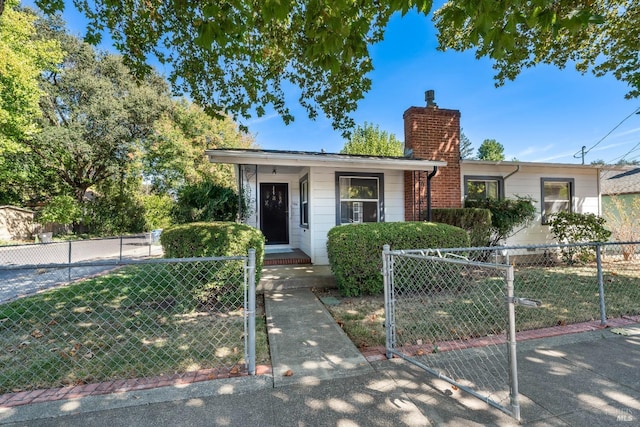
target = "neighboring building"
x: 621, y: 182
x: 621, y: 201
x: 295, y: 198
x: 15, y: 223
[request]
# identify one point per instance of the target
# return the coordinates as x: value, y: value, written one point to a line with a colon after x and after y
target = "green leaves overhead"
x: 240, y: 57
x: 597, y: 35
x: 243, y: 57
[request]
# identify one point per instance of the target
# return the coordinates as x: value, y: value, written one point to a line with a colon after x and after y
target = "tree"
x: 237, y: 57
x: 491, y: 150
x: 370, y: 140
x: 174, y: 155
x: 24, y: 58
x: 600, y: 35
x: 466, y: 148
x: 95, y: 116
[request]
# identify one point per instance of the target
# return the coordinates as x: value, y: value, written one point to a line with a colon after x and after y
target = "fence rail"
x: 138, y: 319
x: 456, y: 312
x: 72, y: 251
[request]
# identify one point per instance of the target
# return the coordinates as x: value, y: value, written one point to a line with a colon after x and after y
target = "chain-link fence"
x: 574, y: 282
x: 447, y: 309
x: 31, y: 276
x: 140, y: 319
x: 451, y: 317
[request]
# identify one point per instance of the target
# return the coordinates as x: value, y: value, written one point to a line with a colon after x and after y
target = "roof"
x: 617, y: 182
x: 250, y: 156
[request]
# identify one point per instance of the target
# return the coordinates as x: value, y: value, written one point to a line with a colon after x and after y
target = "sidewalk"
x: 589, y: 378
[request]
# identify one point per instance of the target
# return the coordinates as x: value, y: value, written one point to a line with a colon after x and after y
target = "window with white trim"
x: 304, y: 201
x: 557, y: 196
x: 359, y: 198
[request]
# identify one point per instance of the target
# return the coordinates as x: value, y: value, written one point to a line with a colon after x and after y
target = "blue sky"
x: 545, y: 115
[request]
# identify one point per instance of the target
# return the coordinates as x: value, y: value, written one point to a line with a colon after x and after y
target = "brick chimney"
x: 432, y: 133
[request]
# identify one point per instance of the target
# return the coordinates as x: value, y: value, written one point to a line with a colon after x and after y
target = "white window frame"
x: 358, y: 210
x: 545, y: 200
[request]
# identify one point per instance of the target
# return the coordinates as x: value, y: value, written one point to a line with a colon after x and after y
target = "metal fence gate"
x: 452, y: 311
x: 132, y: 320
x: 455, y: 319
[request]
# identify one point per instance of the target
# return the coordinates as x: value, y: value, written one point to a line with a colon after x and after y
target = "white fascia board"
x: 318, y: 159
x: 530, y: 164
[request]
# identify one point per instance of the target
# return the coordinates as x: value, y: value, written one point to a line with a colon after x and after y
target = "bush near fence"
x: 354, y: 250
x: 476, y: 221
x: 206, y: 239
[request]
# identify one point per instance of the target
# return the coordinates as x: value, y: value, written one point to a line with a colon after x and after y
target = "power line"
x: 635, y: 148
x: 582, y: 152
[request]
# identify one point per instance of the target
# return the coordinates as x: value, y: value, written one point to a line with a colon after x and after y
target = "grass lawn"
x: 568, y: 295
x: 139, y: 321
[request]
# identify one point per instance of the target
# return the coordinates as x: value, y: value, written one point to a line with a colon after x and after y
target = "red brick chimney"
x: 432, y: 133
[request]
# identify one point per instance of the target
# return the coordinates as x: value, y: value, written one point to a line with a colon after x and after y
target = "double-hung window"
x: 359, y: 198
x: 304, y: 201
x: 557, y: 196
x: 483, y: 187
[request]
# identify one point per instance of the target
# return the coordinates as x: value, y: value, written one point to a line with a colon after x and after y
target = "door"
x: 274, y: 212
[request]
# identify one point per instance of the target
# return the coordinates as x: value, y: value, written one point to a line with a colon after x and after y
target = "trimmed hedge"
x: 355, y: 251
x: 476, y: 221
x: 214, y: 239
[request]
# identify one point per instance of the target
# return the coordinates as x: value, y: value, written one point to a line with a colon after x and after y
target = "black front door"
x: 274, y: 212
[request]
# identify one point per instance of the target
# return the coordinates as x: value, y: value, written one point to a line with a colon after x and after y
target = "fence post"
x: 388, y: 310
x: 69, y: 260
x: 513, y: 362
x: 251, y: 312
x: 603, y: 313
x: 120, y: 247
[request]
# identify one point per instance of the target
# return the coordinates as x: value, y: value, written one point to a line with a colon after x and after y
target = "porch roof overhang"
x: 311, y: 159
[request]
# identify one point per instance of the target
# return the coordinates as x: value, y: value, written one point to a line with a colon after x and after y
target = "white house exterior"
x: 552, y: 186
x: 295, y: 198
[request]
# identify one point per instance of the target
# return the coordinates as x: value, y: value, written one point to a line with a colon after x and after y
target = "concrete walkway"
x: 297, y: 320
x: 319, y: 379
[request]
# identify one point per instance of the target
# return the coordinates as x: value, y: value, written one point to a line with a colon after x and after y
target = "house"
x: 15, y: 223
x: 623, y: 183
x: 295, y: 198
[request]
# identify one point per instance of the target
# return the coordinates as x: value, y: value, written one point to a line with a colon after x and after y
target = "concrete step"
x: 295, y: 276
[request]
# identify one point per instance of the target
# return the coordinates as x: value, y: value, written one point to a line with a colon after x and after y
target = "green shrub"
x: 214, y: 285
x: 355, y: 251
x: 114, y: 214
x: 205, y: 201
x: 506, y: 215
x: 476, y: 221
x: 571, y: 227
x: 157, y: 211
x: 61, y: 209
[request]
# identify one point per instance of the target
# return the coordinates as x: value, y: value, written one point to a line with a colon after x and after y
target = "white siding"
x: 527, y: 182
x: 322, y: 184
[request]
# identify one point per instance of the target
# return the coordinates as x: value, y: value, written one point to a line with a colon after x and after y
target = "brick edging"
x: 121, y: 386
x: 375, y: 354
